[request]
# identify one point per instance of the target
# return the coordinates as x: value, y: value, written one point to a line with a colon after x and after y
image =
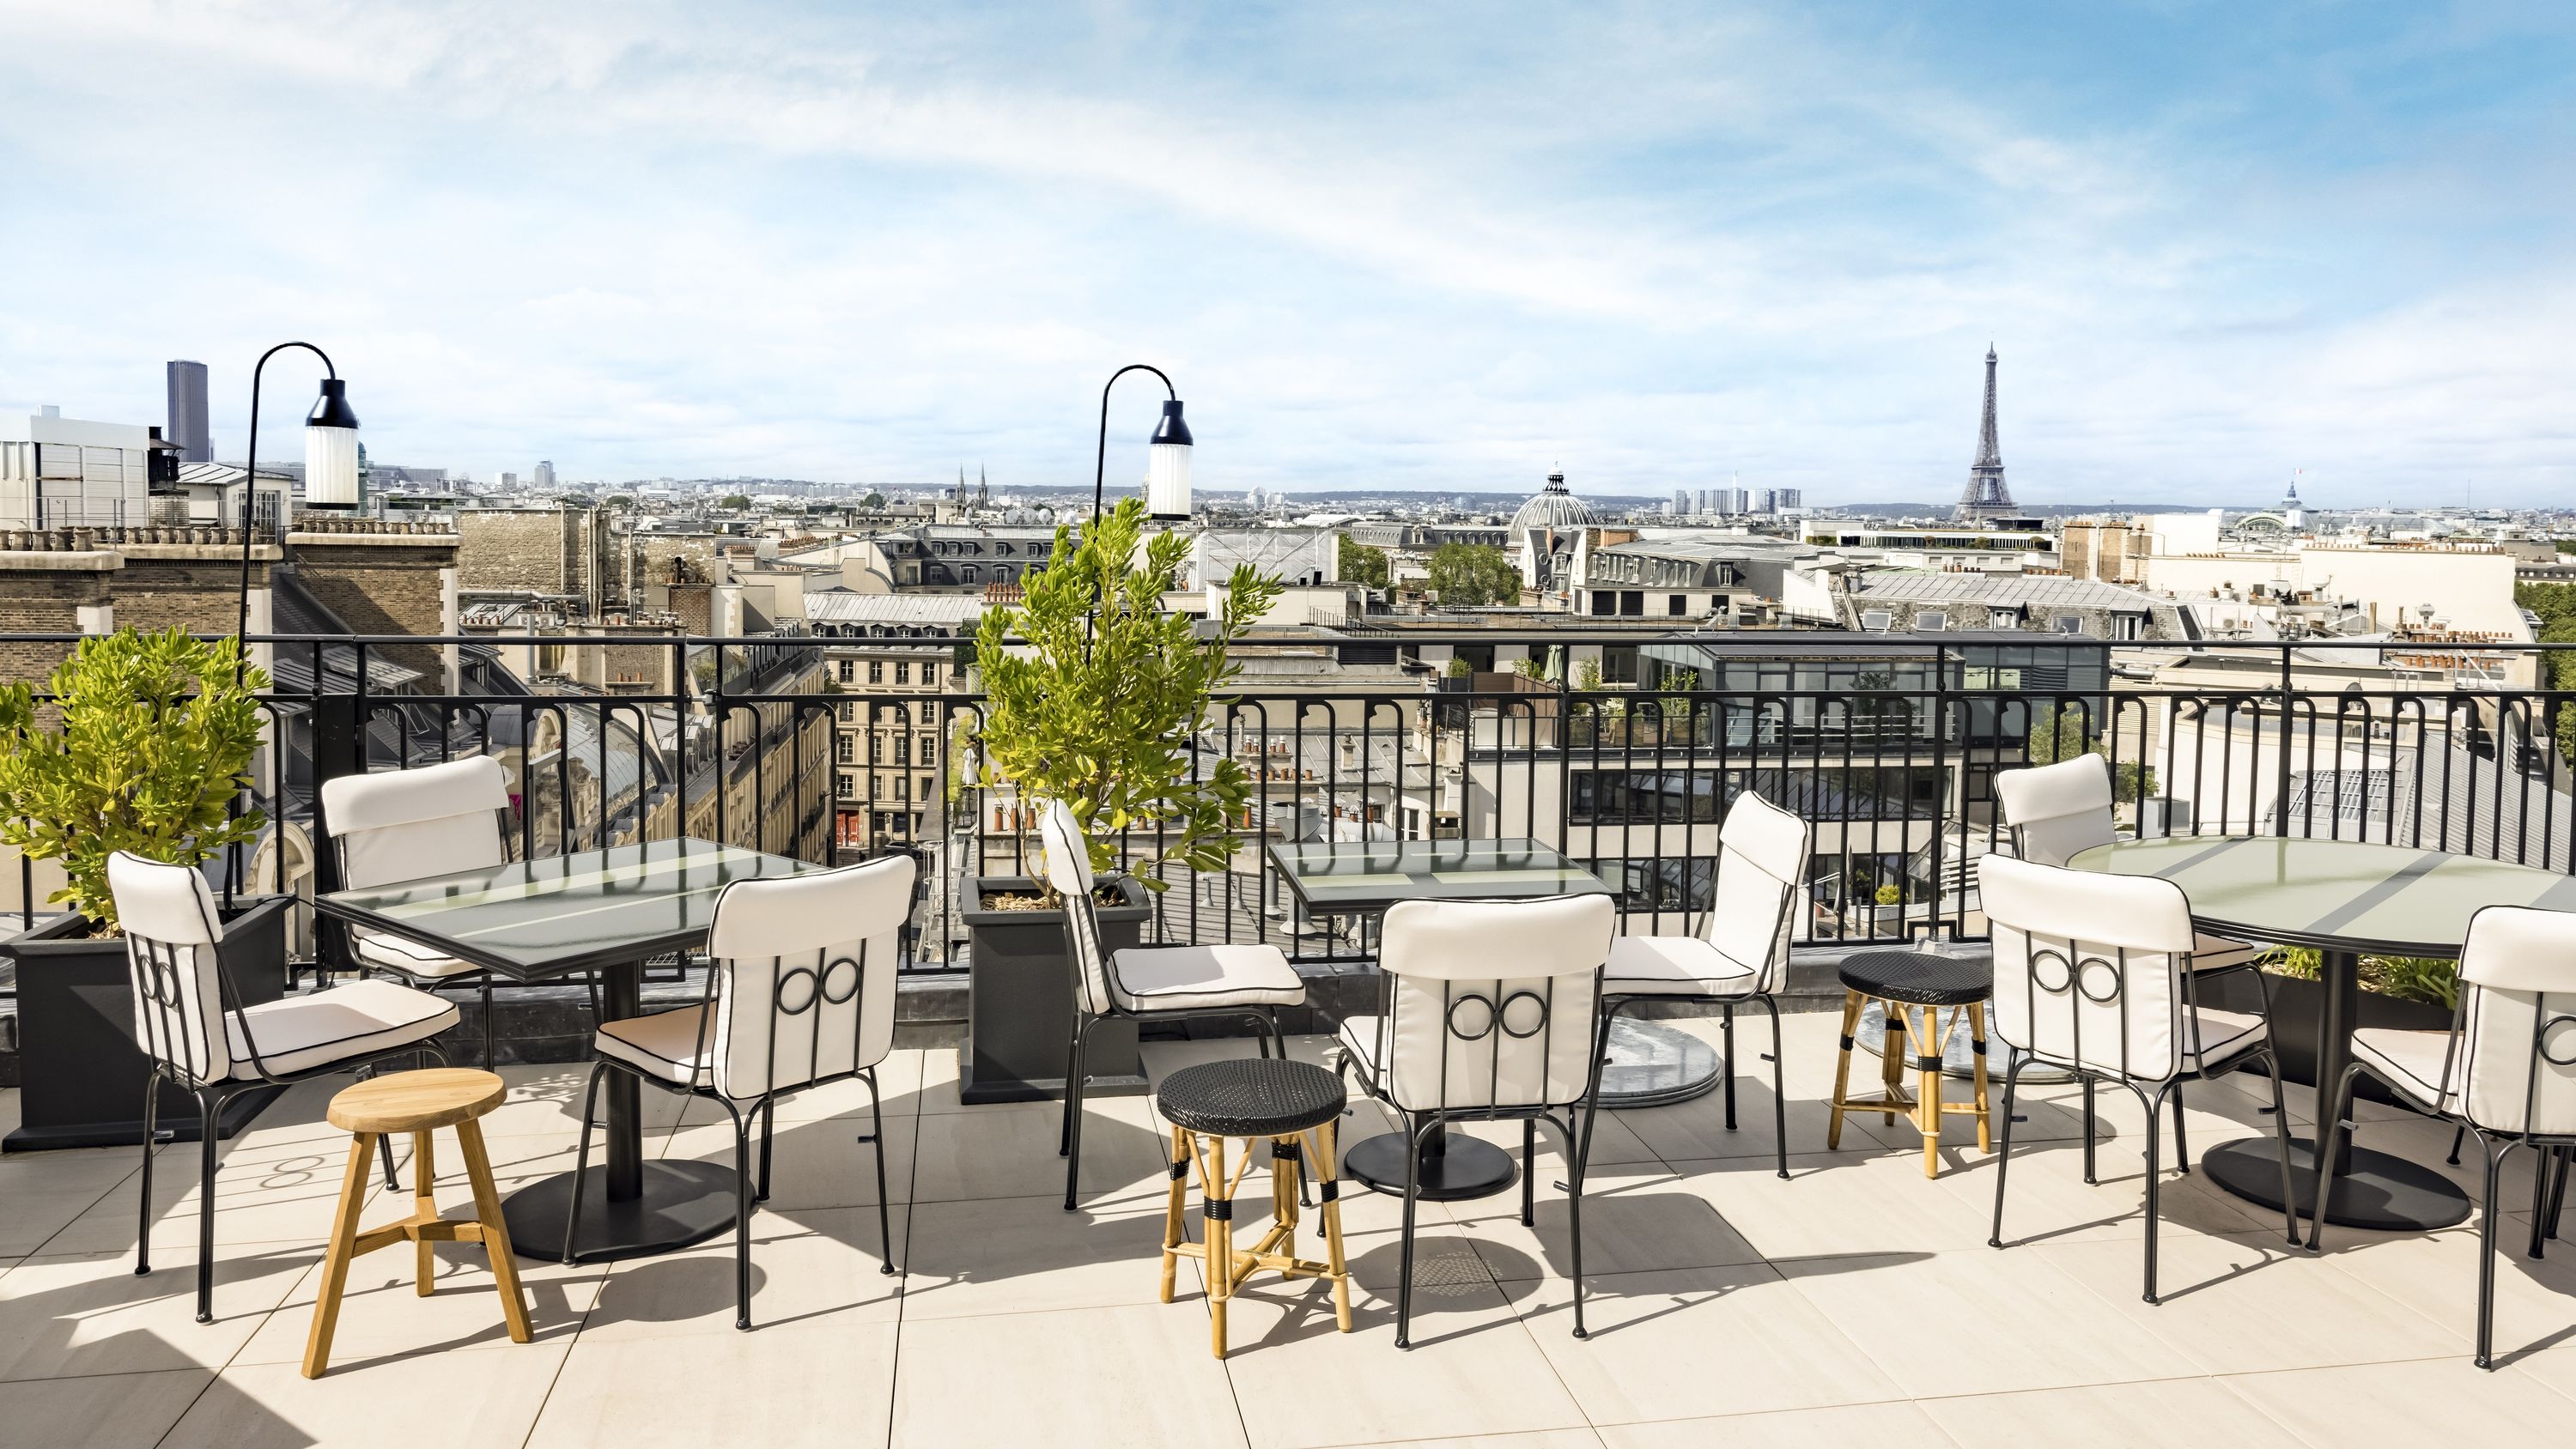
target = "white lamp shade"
x: 330, y: 467
x: 1167, y: 480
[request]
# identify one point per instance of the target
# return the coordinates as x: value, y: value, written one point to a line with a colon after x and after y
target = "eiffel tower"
x: 1986, y: 496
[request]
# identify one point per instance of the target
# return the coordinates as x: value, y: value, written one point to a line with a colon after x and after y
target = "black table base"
x: 683, y: 1204
x: 1455, y: 1167
x: 1652, y: 1064
x: 2373, y: 1190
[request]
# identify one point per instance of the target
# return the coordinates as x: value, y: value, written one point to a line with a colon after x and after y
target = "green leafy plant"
x: 152, y: 740
x: 2059, y: 734
x: 1099, y: 702
x: 2432, y: 979
x: 1890, y: 895
x: 1460, y: 668
x: 1528, y: 668
x: 1361, y: 564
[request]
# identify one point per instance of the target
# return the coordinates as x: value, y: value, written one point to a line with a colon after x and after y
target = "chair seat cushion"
x: 2412, y: 1062
x: 1250, y: 1097
x: 385, y: 951
x: 1359, y: 1041
x: 1192, y: 978
x: 348, y: 1023
x: 2217, y: 1035
x: 1674, y: 966
x: 664, y: 1045
x: 2217, y: 953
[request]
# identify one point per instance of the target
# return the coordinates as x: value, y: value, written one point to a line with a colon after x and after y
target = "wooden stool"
x: 1910, y: 981
x: 415, y: 1102
x: 1292, y: 1104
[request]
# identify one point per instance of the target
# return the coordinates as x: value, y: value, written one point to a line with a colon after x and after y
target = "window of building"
x: 1604, y: 602
x: 845, y: 750
x: 2003, y: 618
x: 876, y: 749
x: 1876, y: 621
x: 2067, y: 623
x: 903, y: 749
x: 929, y: 750
x: 926, y: 795
x: 1931, y: 621
x: 876, y: 671
x: 2128, y: 626
x: 849, y: 712
x: 849, y: 670
x: 1677, y: 605
x: 1632, y: 603
x: 902, y: 672
x: 902, y: 787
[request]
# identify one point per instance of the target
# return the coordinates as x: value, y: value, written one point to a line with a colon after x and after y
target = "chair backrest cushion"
x: 2088, y: 966
x: 1762, y: 854
x: 1491, y: 1003
x: 398, y: 825
x: 806, y: 969
x: 171, y: 932
x: 2057, y: 810
x: 2517, y: 1021
x: 1067, y: 867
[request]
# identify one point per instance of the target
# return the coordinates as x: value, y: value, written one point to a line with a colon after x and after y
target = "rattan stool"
x: 1911, y: 982
x: 415, y: 1102
x: 1293, y: 1105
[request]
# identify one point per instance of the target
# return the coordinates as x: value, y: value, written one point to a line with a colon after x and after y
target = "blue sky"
x: 1444, y: 248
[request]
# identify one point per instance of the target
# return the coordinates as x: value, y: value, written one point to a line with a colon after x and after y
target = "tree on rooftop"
x: 1467, y: 575
x: 1361, y: 564
x: 738, y: 502
x: 2063, y: 733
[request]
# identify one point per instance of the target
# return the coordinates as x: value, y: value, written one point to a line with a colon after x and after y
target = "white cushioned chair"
x: 2094, y: 975
x: 1741, y: 955
x: 391, y: 826
x: 800, y: 992
x: 2506, y: 1070
x: 205, y: 1042
x: 2056, y: 811
x: 1145, y: 983
x: 1488, y: 1010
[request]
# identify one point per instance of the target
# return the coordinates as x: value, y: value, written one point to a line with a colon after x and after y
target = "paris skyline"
x: 1661, y: 246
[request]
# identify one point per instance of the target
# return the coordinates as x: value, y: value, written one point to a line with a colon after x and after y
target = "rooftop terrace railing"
x: 1889, y: 743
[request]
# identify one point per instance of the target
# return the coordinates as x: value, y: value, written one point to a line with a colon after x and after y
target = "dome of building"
x: 1553, y: 509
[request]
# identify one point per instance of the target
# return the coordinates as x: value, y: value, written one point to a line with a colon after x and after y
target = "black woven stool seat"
x: 1250, y: 1097
x: 1918, y: 979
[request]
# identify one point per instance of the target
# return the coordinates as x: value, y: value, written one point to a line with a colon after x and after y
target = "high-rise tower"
x: 187, y: 415
x: 1986, y: 496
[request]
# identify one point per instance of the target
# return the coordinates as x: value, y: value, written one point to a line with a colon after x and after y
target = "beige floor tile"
x: 1027, y: 1254
x: 422, y: 1401
x: 2237, y: 1305
x: 1613, y: 1143
x: 41, y: 1195
x: 2149, y: 1415
x: 91, y: 1315
x: 808, y: 1266
x: 2445, y: 1401
x: 266, y: 1192
x: 1850, y: 1426
x: 2059, y: 1332
x: 2047, y: 1200
x: 2436, y: 1275
x: 1473, y: 1368
x: 1542, y: 1439
x: 1635, y: 1219
x: 383, y: 1318
x: 802, y: 1386
x: 1655, y: 1338
x: 1133, y: 1377
x: 106, y: 1411
x: 814, y: 1164
x: 1838, y: 1203
x: 1011, y: 1152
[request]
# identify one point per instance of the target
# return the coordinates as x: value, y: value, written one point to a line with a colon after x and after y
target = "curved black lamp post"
x: 330, y: 469
x: 1167, y: 474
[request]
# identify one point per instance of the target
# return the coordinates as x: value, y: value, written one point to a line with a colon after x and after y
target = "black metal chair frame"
x: 1078, y: 1043
x: 2076, y: 966
x: 2548, y: 1187
x: 188, y: 1075
x: 1418, y: 1124
x: 765, y: 1106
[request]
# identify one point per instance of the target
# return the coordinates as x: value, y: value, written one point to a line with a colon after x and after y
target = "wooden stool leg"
x: 354, y: 1182
x: 1330, y: 1189
x: 1927, y: 1106
x: 494, y: 1231
x: 424, y: 1205
x: 1852, y: 1001
x: 1891, y: 1065
x: 1977, y: 1060
x: 1175, y: 1210
x: 1218, y: 1204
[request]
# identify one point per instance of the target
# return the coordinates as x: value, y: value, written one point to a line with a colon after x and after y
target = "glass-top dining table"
x: 1649, y: 1063
x: 608, y: 911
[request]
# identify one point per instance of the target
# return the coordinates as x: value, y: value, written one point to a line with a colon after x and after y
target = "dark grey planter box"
x: 1019, y: 999
x: 80, y: 1074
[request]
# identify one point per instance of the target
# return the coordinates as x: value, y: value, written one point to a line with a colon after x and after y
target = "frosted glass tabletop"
x: 1358, y: 878
x: 2338, y: 894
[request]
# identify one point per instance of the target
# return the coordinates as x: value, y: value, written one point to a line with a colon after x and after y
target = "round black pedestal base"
x: 684, y: 1203
x: 1469, y: 1169
x: 2376, y: 1191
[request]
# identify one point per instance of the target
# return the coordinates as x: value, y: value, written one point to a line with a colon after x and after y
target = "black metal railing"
x: 1888, y: 743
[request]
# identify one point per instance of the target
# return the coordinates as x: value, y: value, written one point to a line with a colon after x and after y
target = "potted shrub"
x: 1097, y: 705
x: 143, y: 746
